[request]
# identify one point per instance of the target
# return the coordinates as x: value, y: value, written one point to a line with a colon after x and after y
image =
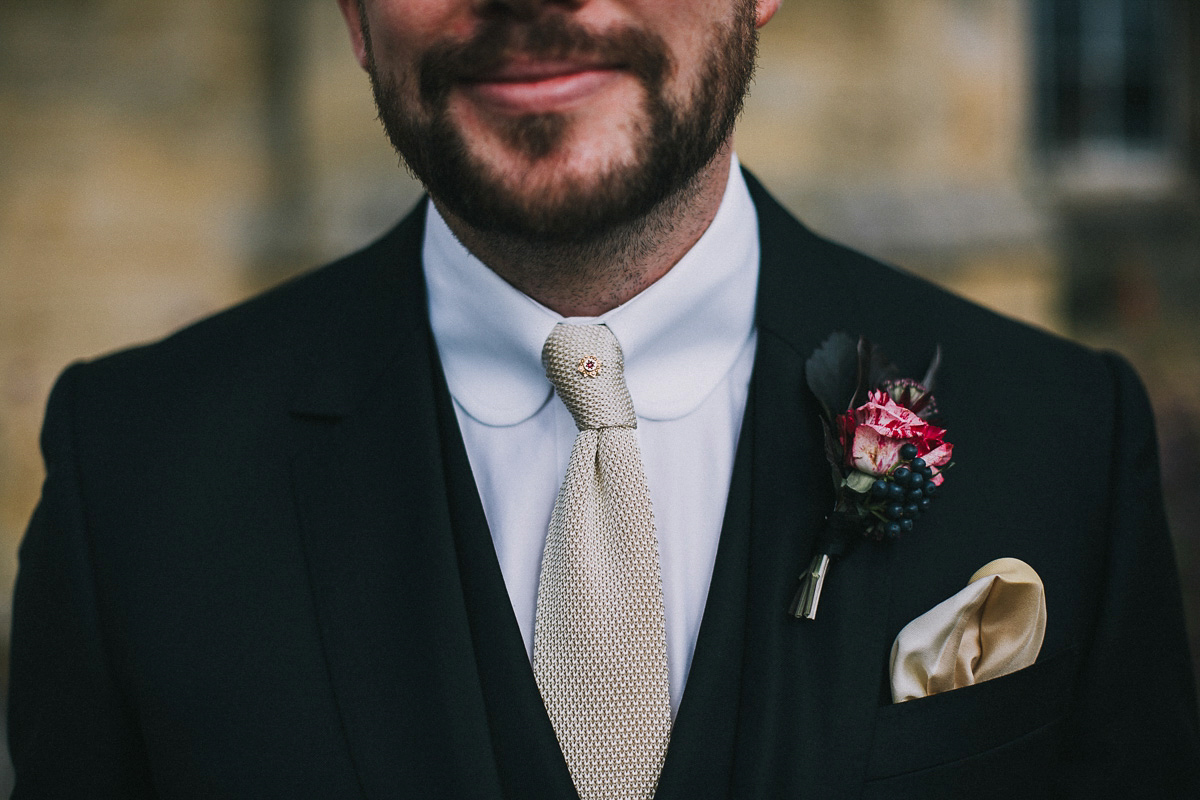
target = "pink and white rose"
x: 872, y: 435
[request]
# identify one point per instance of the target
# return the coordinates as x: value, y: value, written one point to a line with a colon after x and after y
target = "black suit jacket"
x: 260, y: 568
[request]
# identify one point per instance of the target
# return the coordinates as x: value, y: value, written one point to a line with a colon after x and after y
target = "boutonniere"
x: 885, y: 454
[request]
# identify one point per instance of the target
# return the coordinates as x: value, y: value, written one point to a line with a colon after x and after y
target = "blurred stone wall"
x: 902, y: 128
x: 161, y: 160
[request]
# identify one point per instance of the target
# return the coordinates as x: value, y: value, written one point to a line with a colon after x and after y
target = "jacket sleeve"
x: 1133, y: 727
x: 70, y: 733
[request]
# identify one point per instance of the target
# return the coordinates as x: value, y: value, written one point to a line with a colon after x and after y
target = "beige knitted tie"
x: 600, y: 646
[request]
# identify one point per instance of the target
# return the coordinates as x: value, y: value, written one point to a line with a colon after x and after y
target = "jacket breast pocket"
x: 954, y: 727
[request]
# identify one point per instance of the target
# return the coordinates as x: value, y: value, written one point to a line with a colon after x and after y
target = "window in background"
x: 1109, y: 130
x: 1103, y: 72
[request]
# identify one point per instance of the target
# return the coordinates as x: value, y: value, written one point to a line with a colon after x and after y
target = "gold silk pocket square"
x: 991, y: 628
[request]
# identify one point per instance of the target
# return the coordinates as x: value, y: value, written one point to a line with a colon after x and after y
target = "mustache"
x: 547, y: 38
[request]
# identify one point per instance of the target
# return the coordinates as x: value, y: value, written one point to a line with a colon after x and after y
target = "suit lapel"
x: 809, y: 688
x: 371, y: 501
x: 775, y: 706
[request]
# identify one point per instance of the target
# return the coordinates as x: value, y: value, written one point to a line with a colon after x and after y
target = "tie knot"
x: 585, y: 364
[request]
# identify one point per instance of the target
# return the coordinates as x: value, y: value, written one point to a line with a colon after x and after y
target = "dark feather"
x: 862, y: 382
x: 931, y: 373
x: 873, y: 370
x: 879, y: 369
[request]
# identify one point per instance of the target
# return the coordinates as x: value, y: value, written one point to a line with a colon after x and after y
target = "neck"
x: 612, y: 269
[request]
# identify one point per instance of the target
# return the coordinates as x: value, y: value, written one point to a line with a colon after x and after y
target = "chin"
x: 572, y: 142
x: 578, y: 164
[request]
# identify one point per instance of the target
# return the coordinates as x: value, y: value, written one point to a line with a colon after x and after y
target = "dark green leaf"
x: 832, y: 372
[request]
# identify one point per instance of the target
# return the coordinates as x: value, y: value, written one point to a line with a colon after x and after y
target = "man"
x: 302, y: 549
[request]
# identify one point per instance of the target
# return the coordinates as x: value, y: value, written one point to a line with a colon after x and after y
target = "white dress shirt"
x: 688, y: 342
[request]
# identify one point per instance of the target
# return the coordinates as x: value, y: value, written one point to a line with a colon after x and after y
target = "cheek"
x: 401, y: 30
x: 690, y: 30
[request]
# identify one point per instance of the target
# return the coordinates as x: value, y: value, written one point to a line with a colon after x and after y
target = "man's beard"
x: 672, y: 142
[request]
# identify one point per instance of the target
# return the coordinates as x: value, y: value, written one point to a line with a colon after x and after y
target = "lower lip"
x: 557, y: 93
